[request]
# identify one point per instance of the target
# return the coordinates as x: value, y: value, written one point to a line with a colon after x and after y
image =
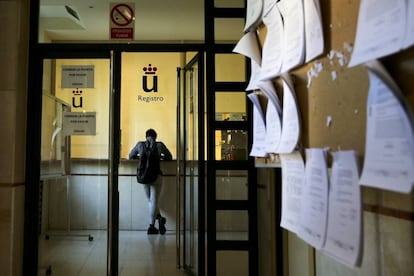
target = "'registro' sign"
x: 150, y: 85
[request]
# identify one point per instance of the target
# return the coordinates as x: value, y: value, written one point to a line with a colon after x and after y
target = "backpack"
x: 148, y: 165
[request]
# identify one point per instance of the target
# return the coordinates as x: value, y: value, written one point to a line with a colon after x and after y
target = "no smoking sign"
x: 122, y: 18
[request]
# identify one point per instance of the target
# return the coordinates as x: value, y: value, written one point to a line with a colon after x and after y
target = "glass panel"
x: 148, y: 83
x: 74, y: 169
x: 228, y: 30
x: 55, y: 153
x: 191, y: 183
x: 231, y: 145
x: 230, y: 67
x: 236, y: 111
x: 148, y: 100
x: 231, y: 185
x: 232, y: 225
x: 232, y: 263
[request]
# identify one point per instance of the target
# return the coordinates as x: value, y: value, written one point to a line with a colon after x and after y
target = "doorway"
x: 84, y: 193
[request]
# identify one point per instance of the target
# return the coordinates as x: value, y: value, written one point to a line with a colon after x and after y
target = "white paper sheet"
x: 344, y: 234
x: 409, y: 33
x: 380, y: 29
x: 248, y: 46
x: 272, y: 46
x: 290, y: 118
x: 267, y: 6
x: 254, y: 76
x: 254, y: 11
x: 259, y: 128
x: 389, y: 145
x: 294, y: 33
x: 273, y: 127
x: 314, y: 208
x: 313, y: 30
x: 268, y: 88
x: 293, y: 177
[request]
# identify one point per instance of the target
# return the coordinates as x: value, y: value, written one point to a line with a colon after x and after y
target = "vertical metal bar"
x: 201, y: 166
x: 178, y: 173
x: 193, y: 159
x: 113, y: 195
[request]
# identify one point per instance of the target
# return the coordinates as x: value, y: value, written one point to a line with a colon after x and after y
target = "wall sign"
x: 77, y: 76
x: 79, y: 123
x: 122, y: 20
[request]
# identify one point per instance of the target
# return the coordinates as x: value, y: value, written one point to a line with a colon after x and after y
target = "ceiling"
x: 177, y: 21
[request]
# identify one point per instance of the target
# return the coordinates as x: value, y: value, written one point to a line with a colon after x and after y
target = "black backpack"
x: 148, y: 165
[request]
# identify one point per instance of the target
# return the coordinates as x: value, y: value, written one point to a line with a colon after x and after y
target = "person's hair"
x: 151, y: 133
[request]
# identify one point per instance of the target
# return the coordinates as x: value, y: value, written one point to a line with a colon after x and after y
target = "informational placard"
x: 122, y: 20
x: 79, y: 123
x: 78, y: 76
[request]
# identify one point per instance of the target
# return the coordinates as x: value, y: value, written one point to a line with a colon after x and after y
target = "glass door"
x: 74, y: 166
x: 192, y: 120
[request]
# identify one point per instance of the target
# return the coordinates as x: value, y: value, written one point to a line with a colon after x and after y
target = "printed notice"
x: 294, y: 33
x: 77, y: 76
x: 79, y: 123
x: 314, y: 208
x: 313, y: 29
x: 290, y: 118
x: 272, y: 47
x: 293, y: 172
x: 273, y: 127
x: 259, y: 128
x: 380, y: 30
x: 389, y: 145
x: 343, y: 237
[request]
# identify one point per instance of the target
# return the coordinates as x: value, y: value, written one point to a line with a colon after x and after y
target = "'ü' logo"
x: 77, y: 93
x: 150, y: 71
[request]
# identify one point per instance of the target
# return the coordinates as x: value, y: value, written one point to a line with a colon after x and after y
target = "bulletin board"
x: 333, y: 111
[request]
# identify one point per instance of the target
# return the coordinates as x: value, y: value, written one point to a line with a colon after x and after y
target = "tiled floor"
x: 139, y: 254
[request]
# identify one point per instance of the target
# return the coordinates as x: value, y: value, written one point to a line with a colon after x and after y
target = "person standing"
x: 145, y: 152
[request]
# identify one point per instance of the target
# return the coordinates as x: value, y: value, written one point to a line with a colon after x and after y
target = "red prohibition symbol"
x: 122, y: 15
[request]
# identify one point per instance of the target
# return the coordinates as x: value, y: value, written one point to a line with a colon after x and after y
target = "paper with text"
x: 389, y: 145
x: 314, y: 208
x: 313, y: 30
x: 344, y: 232
x: 259, y: 128
x: 380, y: 29
x: 272, y: 46
x: 268, y: 88
x: 290, y: 118
x: 293, y: 177
x: 273, y: 127
x: 294, y: 33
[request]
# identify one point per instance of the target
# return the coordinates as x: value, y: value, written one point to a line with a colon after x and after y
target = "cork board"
x: 340, y: 101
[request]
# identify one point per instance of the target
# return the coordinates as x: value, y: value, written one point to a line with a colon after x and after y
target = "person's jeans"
x: 153, y: 192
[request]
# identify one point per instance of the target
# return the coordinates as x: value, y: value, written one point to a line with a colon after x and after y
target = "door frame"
x: 37, y: 53
x: 199, y: 163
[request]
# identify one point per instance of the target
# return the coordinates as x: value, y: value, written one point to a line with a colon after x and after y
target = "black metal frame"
x: 38, y: 52
x: 249, y: 205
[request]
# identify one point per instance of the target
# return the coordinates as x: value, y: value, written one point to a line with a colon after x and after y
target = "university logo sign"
x: 150, y: 85
x: 77, y: 101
